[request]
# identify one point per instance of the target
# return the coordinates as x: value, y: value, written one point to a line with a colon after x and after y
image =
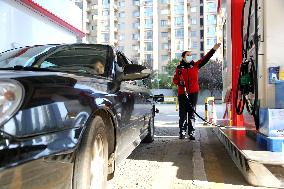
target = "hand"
x: 181, y: 83
x: 216, y: 46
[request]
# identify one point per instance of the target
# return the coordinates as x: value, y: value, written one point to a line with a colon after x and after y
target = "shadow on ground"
x: 183, y: 154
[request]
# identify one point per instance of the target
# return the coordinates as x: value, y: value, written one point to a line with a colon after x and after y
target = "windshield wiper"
x: 28, y: 68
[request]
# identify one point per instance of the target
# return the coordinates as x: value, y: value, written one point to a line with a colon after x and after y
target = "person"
x: 186, y: 78
x: 99, y: 67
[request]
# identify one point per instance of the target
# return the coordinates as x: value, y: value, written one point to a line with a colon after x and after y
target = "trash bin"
x: 279, y: 94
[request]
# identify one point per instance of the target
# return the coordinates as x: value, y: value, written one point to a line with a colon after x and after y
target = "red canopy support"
x: 236, y: 19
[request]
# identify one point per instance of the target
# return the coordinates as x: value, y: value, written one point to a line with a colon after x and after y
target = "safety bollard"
x: 214, y: 115
x: 206, y: 112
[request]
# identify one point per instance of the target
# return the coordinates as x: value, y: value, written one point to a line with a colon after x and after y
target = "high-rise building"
x: 203, y: 21
x: 152, y: 32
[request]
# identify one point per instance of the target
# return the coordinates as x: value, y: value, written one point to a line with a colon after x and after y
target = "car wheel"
x: 91, y: 162
x: 151, y: 131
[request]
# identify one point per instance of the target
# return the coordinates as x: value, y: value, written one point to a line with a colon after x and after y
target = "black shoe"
x: 191, y: 137
x: 181, y: 136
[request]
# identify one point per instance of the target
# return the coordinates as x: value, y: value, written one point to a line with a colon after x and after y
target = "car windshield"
x: 89, y: 59
x: 22, y: 56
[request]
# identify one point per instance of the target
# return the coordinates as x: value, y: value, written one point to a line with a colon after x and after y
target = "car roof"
x: 66, y: 45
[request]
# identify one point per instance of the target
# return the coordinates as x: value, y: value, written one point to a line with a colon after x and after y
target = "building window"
x: 211, y: 31
x: 106, y: 37
x: 211, y: 42
x: 136, y: 2
x: 165, y: 11
x: 105, y: 13
x: 135, y: 36
x: 148, y: 23
x: 193, y: 33
x: 179, y: 33
x: 148, y: 46
x: 201, y: 34
x: 148, y: 35
x: 164, y: 23
x: 135, y: 47
x: 148, y: 11
x: 201, y: 22
x: 178, y: 55
x: 149, y: 2
x: 94, y: 27
x: 211, y: 19
x: 201, y: 46
x: 201, y: 10
x: 121, y: 37
x: 122, y: 3
x: 135, y: 25
x: 179, y: 21
x: 122, y: 14
x: 121, y: 48
x: 178, y: 9
x: 193, y: 21
x: 194, y: 45
x: 194, y: 56
x: 193, y: 9
x: 136, y: 13
x: 148, y: 58
x: 164, y: 1
x: 165, y: 46
x: 211, y: 7
x: 165, y: 58
x: 179, y: 46
x: 106, y: 2
x: 121, y: 25
x: 164, y: 34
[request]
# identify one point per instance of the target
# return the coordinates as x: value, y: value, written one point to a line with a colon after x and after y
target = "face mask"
x: 188, y: 59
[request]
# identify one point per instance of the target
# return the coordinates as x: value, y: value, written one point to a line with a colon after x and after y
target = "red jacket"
x: 188, y: 72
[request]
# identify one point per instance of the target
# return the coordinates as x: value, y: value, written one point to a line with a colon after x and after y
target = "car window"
x: 85, y: 60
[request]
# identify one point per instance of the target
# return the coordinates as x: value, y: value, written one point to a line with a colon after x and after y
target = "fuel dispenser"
x: 256, y: 79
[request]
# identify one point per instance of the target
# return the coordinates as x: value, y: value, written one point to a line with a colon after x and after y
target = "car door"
x: 126, y: 98
x: 141, y: 106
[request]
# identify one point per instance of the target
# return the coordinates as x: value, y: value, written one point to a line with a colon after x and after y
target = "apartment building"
x: 152, y: 32
x: 203, y: 22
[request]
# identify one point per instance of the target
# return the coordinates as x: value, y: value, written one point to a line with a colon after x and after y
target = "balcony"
x: 115, y: 7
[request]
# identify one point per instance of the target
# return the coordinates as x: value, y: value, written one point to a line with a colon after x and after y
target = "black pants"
x: 184, y: 108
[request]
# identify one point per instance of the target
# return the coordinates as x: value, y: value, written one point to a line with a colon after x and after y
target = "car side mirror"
x: 135, y: 72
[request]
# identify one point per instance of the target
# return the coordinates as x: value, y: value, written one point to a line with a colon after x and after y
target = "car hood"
x: 9, y: 74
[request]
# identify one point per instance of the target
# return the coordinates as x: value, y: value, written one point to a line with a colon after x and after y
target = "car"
x: 69, y: 113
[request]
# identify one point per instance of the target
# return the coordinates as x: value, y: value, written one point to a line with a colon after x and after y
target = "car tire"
x: 91, y: 162
x: 151, y: 131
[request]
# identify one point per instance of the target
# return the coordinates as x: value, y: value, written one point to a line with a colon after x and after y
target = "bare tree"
x: 210, y: 76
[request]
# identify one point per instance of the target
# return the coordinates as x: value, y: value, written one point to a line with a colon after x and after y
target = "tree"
x: 210, y: 76
x: 163, y: 80
x: 171, y: 66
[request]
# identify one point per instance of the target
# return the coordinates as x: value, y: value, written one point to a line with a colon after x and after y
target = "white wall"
x: 65, y: 9
x: 20, y: 26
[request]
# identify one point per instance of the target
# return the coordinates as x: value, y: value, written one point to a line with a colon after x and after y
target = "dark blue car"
x: 69, y: 114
